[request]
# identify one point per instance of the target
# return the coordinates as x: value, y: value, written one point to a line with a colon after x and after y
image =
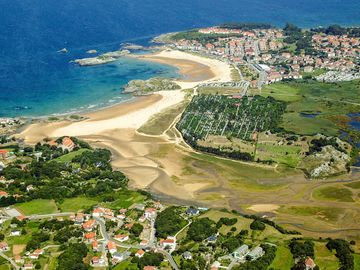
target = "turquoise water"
x: 35, y: 80
x: 83, y: 88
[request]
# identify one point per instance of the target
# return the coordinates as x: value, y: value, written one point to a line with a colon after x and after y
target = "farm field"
x: 37, y: 207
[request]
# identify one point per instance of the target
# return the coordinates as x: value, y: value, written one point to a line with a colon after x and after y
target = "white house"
x: 241, y: 252
x: 121, y: 237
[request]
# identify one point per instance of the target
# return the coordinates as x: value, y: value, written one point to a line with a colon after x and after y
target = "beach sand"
x: 115, y: 127
x: 194, y: 68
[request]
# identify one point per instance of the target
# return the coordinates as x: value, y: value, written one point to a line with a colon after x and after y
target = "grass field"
x: 333, y: 194
x: 323, y: 213
x: 324, y: 258
x: 68, y: 157
x: 124, y: 199
x: 285, y: 154
x: 37, y: 207
x: 354, y: 185
x: 76, y: 204
x: 162, y: 121
x: 238, y: 174
x: 357, y: 261
x: 283, y: 259
x: 126, y: 265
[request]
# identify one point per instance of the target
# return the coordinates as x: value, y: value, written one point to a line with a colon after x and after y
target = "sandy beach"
x: 115, y: 127
x: 135, y: 113
x: 194, y: 68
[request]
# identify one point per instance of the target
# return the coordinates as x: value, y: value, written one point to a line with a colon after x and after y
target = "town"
x: 262, y: 54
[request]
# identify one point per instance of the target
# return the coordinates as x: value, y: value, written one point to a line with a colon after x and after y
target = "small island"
x: 102, y: 59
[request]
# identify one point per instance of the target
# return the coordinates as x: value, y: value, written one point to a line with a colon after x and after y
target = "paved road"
x: 106, y: 236
x: 10, y: 261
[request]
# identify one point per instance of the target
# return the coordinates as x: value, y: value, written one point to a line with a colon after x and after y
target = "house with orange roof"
x: 3, y: 194
x: 4, y: 246
x: 4, y: 154
x: 80, y: 217
x: 21, y: 217
x: 121, y: 237
x: 97, y: 212
x: 140, y: 253
x: 144, y: 243
x: 111, y: 246
x: 95, y: 245
x: 150, y: 268
x: 18, y: 259
x: 67, y: 144
x: 90, y: 237
x: 35, y: 255
x: 129, y: 226
x: 170, y: 242
x: 150, y: 213
x: 108, y: 217
x: 89, y: 225
x: 309, y: 263
x: 122, y: 211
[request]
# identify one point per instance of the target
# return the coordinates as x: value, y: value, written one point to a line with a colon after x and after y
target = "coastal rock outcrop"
x: 102, y: 59
x: 328, y: 162
x: 143, y: 87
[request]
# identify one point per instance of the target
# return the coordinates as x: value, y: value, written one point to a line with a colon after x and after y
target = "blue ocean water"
x: 36, y: 80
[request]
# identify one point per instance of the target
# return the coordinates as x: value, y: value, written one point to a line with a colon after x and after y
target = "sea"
x: 36, y: 80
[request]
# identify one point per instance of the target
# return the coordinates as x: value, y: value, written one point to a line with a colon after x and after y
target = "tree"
x: 169, y: 222
x: 231, y: 244
x: 137, y: 229
x: 302, y: 249
x: 150, y: 258
x: 72, y: 257
x: 201, y: 229
x: 343, y: 252
x: 257, y: 225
